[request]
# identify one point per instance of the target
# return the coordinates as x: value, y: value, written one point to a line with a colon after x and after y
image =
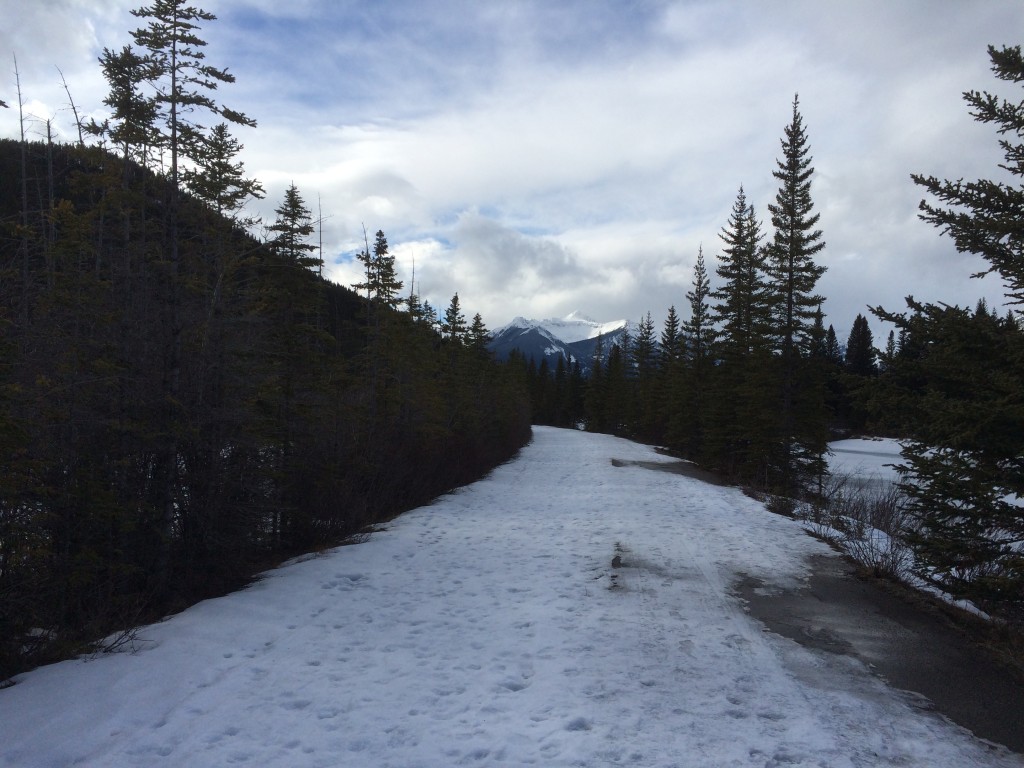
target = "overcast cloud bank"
x: 540, y: 159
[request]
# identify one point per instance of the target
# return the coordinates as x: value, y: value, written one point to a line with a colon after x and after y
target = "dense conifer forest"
x: 186, y: 401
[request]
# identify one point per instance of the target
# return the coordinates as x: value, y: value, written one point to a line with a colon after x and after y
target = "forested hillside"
x: 185, y: 402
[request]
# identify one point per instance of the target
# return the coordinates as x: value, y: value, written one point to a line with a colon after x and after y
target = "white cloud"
x: 540, y: 158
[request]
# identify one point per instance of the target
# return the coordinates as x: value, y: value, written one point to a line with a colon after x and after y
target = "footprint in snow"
x: 578, y: 724
x: 514, y: 685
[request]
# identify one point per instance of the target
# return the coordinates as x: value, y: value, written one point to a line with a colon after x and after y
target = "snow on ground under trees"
x: 491, y: 628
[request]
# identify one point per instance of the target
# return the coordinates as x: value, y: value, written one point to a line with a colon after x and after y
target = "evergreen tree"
x: 962, y: 397
x: 176, y: 69
x: 795, y: 242
x: 594, y: 397
x: 453, y: 326
x: 791, y: 265
x: 133, y: 129
x: 365, y: 257
x: 740, y: 414
x: 860, y: 349
x: 829, y: 357
x: 672, y: 346
x: 616, y: 392
x: 478, y: 335
x: 575, y: 396
x: 644, y: 358
x: 833, y: 352
x: 984, y: 217
x: 698, y: 330
x: 888, y: 357
x: 670, y: 398
x: 542, y: 393
x: 384, y: 282
x: 292, y: 229
x: 691, y: 423
x: 644, y: 348
x: 742, y: 308
x: 179, y: 84
x: 819, y: 336
x: 965, y: 463
x: 295, y: 348
x: 560, y: 396
x: 220, y: 181
x: 429, y: 316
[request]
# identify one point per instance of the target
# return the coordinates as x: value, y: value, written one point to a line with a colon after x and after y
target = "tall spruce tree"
x: 381, y: 281
x: 961, y: 394
x: 292, y: 229
x: 833, y: 352
x: 220, y: 181
x: 453, y: 326
x: 837, y: 398
x: 690, y: 426
x: 698, y: 330
x: 888, y: 356
x: 644, y: 347
x: 741, y: 417
x: 643, y: 352
x: 860, y: 349
x: 594, y: 396
x: 616, y: 391
x: 795, y: 242
x: 794, y: 272
x: 479, y: 335
x: 386, y: 286
x: 672, y: 344
x: 668, y: 392
x: 182, y: 81
x: 131, y: 126
x: 742, y: 302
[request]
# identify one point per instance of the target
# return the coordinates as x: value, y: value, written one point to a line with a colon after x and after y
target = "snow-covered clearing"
x: 870, y: 461
x: 491, y: 628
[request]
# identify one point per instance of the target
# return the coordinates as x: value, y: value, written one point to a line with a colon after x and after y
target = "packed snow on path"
x: 491, y: 629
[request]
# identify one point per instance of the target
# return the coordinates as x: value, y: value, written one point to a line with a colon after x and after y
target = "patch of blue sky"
x: 412, y: 55
x: 446, y: 219
x: 440, y: 236
x: 345, y: 257
x: 581, y: 31
x: 522, y: 221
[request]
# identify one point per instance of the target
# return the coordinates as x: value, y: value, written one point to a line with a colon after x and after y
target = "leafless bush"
x: 868, y: 521
x: 126, y: 640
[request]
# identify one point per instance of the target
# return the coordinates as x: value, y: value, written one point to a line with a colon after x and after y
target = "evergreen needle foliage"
x: 960, y: 376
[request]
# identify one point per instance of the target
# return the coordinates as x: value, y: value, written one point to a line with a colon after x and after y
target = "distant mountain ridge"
x: 573, y: 337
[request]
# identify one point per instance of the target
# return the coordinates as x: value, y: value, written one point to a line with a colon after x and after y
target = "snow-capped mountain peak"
x: 577, y: 327
x: 573, y: 338
x: 577, y: 315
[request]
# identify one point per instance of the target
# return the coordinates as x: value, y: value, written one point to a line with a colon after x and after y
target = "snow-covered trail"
x: 490, y: 629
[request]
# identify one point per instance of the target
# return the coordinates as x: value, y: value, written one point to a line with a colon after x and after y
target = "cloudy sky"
x: 546, y: 156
